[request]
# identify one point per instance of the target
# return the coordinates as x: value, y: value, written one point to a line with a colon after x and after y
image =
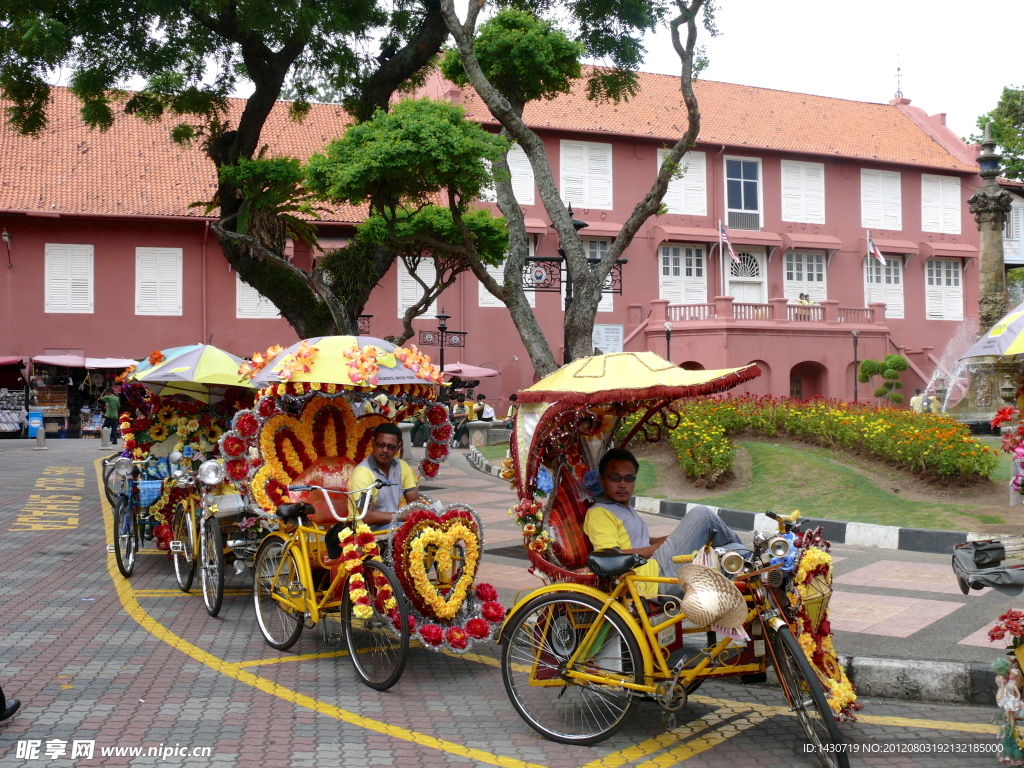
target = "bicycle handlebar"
x: 377, y: 484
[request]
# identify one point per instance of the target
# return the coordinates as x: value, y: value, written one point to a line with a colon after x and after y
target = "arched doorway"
x: 808, y: 379
x: 762, y: 385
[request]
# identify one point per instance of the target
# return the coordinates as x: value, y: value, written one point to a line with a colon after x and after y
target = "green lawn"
x: 787, y: 478
x: 494, y: 453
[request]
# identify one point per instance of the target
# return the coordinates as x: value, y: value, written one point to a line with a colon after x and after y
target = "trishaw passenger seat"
x: 330, y: 472
x: 570, y: 544
x: 292, y: 511
x: 609, y: 563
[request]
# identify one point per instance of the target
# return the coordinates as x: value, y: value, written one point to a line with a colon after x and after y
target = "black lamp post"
x: 442, y: 326
x: 856, y: 373
x: 443, y: 338
x: 668, y: 341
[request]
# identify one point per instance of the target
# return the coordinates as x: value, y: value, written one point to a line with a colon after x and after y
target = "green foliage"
x: 272, y: 186
x: 406, y: 156
x: 889, y: 369
x: 1007, y: 121
x: 414, y: 231
x: 526, y: 59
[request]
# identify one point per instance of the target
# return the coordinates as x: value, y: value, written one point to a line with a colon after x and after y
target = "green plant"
x: 889, y: 369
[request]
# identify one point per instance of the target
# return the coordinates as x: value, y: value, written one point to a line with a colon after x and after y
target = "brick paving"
x: 136, y: 664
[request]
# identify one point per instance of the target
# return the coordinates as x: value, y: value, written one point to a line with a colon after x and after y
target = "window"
x: 587, y: 174
x: 940, y: 204
x: 683, y: 277
x: 688, y: 194
x: 803, y: 192
x: 805, y: 273
x: 158, y: 281
x: 944, y: 296
x: 487, y: 299
x: 743, y: 193
x: 250, y: 303
x: 884, y: 283
x: 595, y: 250
x: 410, y: 291
x: 880, y: 205
x: 69, y: 271
x: 522, y: 178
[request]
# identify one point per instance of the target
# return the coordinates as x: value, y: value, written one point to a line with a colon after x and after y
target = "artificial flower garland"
x: 355, y: 548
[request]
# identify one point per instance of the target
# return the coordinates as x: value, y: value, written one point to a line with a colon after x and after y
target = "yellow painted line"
x: 234, y: 671
x: 697, y: 743
x: 179, y: 593
x: 284, y: 659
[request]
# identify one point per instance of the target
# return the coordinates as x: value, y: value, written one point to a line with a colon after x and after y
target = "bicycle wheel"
x: 183, y: 529
x: 535, y: 646
x: 211, y: 564
x: 126, y: 536
x: 807, y: 698
x: 378, y: 648
x: 113, y: 483
x: 275, y: 578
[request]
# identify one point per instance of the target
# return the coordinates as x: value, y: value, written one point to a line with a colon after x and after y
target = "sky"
x: 951, y: 61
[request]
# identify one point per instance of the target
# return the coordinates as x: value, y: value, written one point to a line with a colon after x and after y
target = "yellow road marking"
x: 283, y: 659
x: 694, y: 742
x: 179, y: 593
x: 234, y: 671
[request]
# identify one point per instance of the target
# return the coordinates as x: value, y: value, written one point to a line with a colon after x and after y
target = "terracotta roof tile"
x: 134, y: 168
x: 744, y: 116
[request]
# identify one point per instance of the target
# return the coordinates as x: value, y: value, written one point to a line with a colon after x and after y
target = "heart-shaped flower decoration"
x: 436, y: 556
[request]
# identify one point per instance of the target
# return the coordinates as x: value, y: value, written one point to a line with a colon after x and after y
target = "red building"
x: 108, y: 259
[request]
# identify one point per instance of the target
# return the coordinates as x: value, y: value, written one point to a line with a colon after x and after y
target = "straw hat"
x: 709, y: 598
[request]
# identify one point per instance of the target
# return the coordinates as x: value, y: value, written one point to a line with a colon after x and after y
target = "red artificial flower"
x: 432, y: 634
x: 442, y: 433
x: 396, y: 621
x: 233, y: 446
x: 237, y: 468
x: 163, y: 536
x: 246, y: 424
x: 996, y: 634
x: 142, y: 423
x: 493, y: 611
x: 267, y: 407
x: 486, y: 592
x: 365, y: 538
x: 478, y: 628
x: 156, y: 357
x: 256, y: 462
x: 1003, y: 415
x: 429, y: 468
x: 437, y: 451
x: 437, y: 415
x: 825, y: 628
x: 457, y: 637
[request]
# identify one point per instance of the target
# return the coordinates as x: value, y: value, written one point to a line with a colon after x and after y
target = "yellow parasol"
x: 630, y: 376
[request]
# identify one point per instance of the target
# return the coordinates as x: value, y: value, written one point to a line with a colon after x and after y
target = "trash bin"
x: 35, y: 422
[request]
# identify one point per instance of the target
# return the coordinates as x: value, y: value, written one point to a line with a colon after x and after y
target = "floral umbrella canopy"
x: 1004, y: 339
x: 191, y: 371
x: 358, y: 362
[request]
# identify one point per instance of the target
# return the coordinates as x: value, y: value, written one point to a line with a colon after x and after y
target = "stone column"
x: 990, y: 204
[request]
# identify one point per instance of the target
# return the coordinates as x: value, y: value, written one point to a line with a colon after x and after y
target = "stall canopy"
x: 77, y: 361
x: 10, y: 361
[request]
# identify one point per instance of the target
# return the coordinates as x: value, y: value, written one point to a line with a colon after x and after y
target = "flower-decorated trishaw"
x: 578, y: 653
x: 313, y: 422
x: 181, y: 401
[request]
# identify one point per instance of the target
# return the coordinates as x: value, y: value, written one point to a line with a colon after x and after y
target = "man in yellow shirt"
x: 613, y: 524
x: 383, y: 464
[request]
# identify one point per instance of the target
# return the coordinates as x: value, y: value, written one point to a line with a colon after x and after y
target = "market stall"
x: 13, y: 414
x: 66, y: 388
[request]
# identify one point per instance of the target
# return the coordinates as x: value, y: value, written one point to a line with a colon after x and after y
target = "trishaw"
x: 580, y: 652
x: 181, y: 401
x: 292, y: 454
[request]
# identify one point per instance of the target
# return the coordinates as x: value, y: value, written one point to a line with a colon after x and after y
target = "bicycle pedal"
x: 177, y: 547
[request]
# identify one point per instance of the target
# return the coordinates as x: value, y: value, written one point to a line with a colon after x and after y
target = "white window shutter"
x: 931, y: 203
x: 870, y: 199
x: 951, y: 205
x: 675, y: 196
x: 599, y: 175
x: 574, y: 172
x: 487, y: 299
x: 522, y: 175
x: 695, y: 286
x: 58, y: 278
x: 410, y: 291
x: 487, y: 193
x: 954, y: 297
x: 892, y: 293
x: 892, y: 216
x: 670, y: 286
x: 792, y: 192
x: 687, y: 195
x: 814, y: 193
x: 158, y: 283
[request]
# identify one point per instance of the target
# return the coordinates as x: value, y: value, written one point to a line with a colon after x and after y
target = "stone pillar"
x: 990, y: 204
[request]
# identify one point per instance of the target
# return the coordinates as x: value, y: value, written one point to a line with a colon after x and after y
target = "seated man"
x: 460, y: 420
x: 382, y: 464
x: 611, y: 523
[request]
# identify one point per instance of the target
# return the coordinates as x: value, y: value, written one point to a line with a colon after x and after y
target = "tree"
x: 191, y: 54
x: 1007, y: 121
x: 889, y: 369
x: 403, y: 162
x: 605, y: 29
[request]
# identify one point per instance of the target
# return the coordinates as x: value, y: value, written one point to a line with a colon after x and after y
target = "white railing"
x: 680, y: 313
x: 752, y: 311
x: 805, y: 313
x: 857, y: 315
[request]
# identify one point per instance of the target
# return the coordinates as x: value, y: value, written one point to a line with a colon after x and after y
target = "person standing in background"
x: 111, y: 409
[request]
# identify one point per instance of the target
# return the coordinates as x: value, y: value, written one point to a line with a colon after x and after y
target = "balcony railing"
x: 724, y: 308
x: 680, y: 313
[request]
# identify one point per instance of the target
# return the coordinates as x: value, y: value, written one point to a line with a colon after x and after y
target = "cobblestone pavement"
x: 119, y: 664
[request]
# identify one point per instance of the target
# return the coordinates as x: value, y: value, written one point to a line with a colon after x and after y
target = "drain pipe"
x: 206, y: 235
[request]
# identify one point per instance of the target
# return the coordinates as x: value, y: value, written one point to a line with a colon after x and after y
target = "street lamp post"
x: 443, y: 338
x: 442, y: 327
x: 856, y: 338
x: 668, y: 341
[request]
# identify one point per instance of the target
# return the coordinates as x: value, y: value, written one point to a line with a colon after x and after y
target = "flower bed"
x: 927, y: 443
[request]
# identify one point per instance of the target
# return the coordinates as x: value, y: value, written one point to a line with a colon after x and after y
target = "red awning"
x: 535, y: 226
x: 10, y: 361
x: 955, y: 250
x: 663, y: 233
x: 890, y: 246
x: 792, y: 240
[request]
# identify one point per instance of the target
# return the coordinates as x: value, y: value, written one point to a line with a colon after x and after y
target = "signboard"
x: 607, y: 339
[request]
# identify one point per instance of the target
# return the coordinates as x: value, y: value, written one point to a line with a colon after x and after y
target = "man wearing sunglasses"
x: 612, y: 523
x: 383, y: 464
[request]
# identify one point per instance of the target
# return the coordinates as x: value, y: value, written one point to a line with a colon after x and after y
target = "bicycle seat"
x: 294, y: 511
x: 609, y: 563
